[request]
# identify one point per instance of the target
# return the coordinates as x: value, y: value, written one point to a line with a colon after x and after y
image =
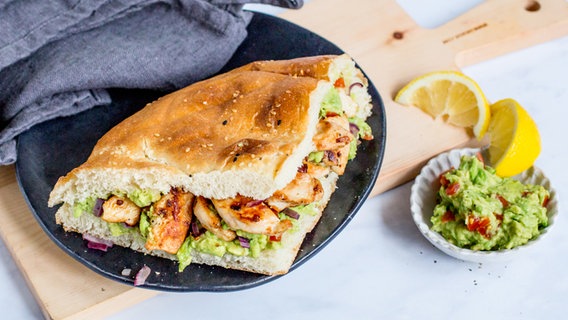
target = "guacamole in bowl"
x: 467, y: 211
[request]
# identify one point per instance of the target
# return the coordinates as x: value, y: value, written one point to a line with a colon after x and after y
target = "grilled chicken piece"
x: 332, y: 133
x: 211, y: 220
x: 316, y: 170
x: 337, y: 159
x: 169, y: 222
x: 303, y: 189
x: 118, y: 209
x: 253, y: 216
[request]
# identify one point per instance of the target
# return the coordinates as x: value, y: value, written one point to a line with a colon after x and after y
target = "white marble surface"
x: 380, y: 266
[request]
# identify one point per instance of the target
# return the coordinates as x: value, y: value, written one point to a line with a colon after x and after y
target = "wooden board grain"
x: 393, y: 49
x: 389, y: 46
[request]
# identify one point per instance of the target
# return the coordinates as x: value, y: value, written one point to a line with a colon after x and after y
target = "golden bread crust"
x: 245, y: 118
x: 249, y: 119
x: 316, y: 67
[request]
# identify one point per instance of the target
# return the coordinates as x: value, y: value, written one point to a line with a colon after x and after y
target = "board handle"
x: 497, y: 27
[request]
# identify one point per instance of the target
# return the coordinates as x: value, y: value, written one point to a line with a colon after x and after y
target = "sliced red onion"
x: 97, y: 246
x: 142, y: 275
x: 353, y: 85
x: 330, y: 155
x: 126, y: 225
x: 96, y: 243
x: 244, y: 242
x: 91, y: 238
x: 253, y: 203
x: 291, y: 213
x: 195, y: 229
x: 98, y: 208
x: 354, y: 129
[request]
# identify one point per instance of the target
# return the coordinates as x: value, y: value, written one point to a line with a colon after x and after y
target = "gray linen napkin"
x: 57, y: 57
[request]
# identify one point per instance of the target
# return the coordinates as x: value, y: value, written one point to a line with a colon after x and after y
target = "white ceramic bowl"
x: 422, y: 203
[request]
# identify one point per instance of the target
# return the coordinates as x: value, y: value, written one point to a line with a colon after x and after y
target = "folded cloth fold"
x: 58, y: 57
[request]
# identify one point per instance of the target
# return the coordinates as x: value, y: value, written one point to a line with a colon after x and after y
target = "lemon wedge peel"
x: 514, y: 138
x: 449, y: 94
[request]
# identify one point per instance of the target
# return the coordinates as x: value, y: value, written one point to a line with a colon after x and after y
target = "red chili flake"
x: 275, y: 237
x: 443, y: 180
x: 545, y: 201
x: 480, y: 225
x: 452, y: 189
x: 480, y: 158
x: 339, y: 83
x: 448, y: 216
x: 504, y: 201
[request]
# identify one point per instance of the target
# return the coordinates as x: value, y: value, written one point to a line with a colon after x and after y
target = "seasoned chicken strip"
x: 243, y: 213
x: 316, y: 170
x: 169, y: 222
x: 303, y: 189
x: 340, y: 159
x: 332, y: 133
x: 211, y: 220
x: 118, y: 209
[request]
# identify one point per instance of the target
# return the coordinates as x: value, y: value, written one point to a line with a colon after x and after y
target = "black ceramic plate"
x: 52, y: 149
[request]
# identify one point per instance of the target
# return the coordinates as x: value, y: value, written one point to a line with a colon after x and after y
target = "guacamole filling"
x: 198, y: 238
x: 478, y: 210
x: 145, y: 212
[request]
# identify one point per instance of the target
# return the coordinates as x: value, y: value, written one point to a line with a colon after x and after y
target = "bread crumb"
x: 205, y: 102
x: 187, y: 149
x: 156, y: 134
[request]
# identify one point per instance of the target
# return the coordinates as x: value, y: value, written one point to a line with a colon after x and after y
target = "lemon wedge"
x: 449, y: 94
x: 514, y: 138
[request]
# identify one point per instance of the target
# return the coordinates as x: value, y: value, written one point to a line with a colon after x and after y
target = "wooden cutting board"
x: 390, y: 47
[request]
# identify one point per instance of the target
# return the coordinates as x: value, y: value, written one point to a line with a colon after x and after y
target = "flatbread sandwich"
x: 231, y: 171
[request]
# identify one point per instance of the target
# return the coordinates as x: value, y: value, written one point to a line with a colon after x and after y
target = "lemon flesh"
x: 449, y: 94
x: 514, y: 138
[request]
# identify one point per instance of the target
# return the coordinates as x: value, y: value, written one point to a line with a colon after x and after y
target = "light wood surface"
x: 363, y: 28
x: 366, y: 30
